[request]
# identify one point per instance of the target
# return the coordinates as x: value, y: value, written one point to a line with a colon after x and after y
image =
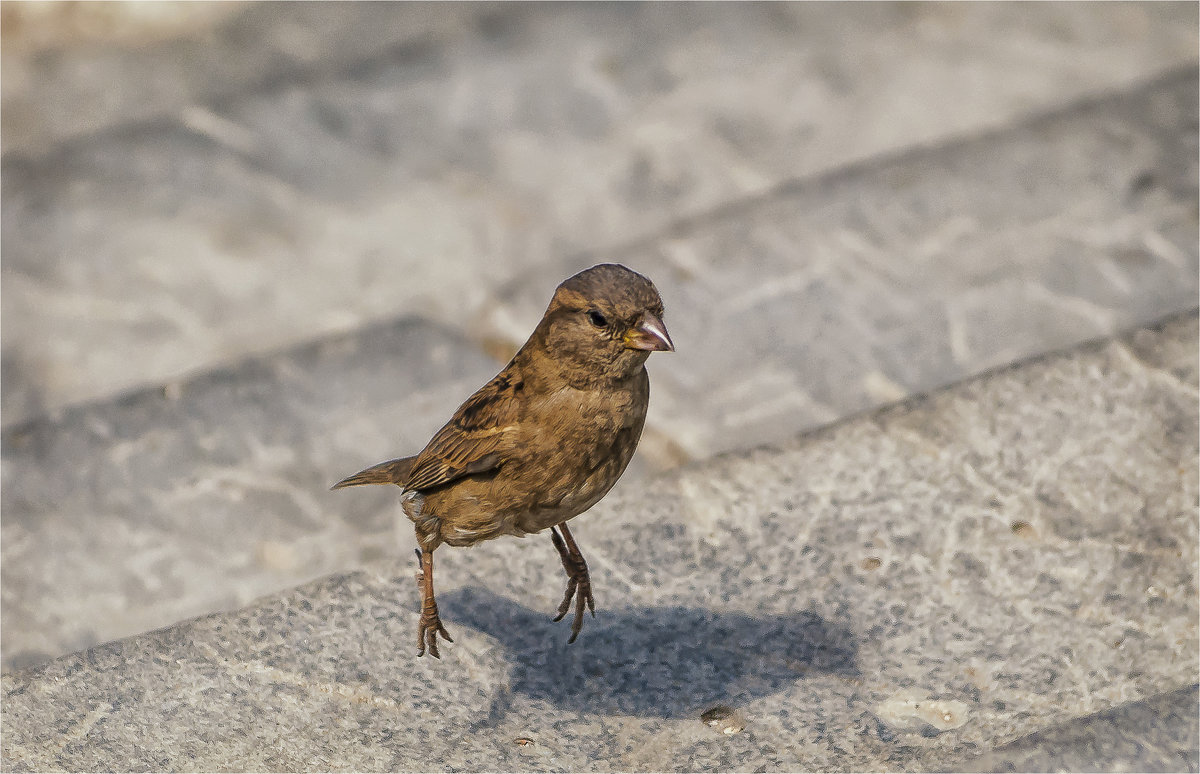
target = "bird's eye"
x: 597, y: 319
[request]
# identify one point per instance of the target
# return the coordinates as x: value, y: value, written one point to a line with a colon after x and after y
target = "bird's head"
x: 603, y: 323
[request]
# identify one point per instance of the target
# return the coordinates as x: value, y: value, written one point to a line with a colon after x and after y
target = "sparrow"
x: 541, y: 442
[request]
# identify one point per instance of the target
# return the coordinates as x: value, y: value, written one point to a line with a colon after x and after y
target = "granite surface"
x: 836, y: 293
x: 129, y: 515
x: 250, y: 248
x: 289, y: 171
x: 912, y: 588
x: 821, y: 299
x: 1158, y: 734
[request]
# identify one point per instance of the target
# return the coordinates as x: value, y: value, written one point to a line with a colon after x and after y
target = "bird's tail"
x: 390, y: 472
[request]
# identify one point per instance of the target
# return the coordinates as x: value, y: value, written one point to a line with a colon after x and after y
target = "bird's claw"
x: 430, y: 625
x: 579, y: 587
x: 428, y: 630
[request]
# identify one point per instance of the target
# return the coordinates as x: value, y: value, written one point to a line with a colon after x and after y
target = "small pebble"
x: 1023, y: 529
x: 724, y: 718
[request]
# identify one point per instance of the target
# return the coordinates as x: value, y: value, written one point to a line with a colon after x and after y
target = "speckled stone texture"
x: 1158, y: 734
x: 129, y: 515
x: 840, y: 292
x: 302, y: 169
x: 915, y: 588
x: 284, y: 241
x: 825, y: 297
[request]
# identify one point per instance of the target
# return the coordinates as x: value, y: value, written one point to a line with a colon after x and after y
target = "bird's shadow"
x: 664, y: 662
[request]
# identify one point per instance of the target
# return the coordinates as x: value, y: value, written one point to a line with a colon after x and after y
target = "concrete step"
x: 833, y: 294
x: 911, y: 588
x: 823, y: 298
x: 298, y: 170
x: 1157, y: 734
x: 129, y: 515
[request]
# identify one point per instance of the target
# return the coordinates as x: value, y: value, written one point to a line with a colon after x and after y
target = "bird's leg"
x: 430, y: 626
x: 577, y: 579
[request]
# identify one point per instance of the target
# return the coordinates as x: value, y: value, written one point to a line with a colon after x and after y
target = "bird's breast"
x: 589, y: 441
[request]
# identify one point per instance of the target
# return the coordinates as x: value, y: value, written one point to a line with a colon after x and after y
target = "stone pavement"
x: 304, y: 232
x: 818, y: 300
x: 303, y: 169
x: 1158, y: 734
x: 944, y: 582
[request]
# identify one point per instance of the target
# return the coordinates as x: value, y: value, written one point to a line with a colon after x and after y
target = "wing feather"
x: 476, y: 438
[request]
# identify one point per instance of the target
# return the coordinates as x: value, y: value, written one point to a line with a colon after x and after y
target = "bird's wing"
x: 475, y: 440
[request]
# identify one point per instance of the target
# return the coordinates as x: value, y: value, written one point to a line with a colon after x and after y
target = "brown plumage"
x: 541, y: 442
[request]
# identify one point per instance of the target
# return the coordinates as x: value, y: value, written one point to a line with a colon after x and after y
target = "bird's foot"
x: 579, y: 586
x: 430, y: 625
x: 428, y: 630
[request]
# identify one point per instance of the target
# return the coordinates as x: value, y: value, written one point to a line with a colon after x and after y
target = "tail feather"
x: 390, y: 472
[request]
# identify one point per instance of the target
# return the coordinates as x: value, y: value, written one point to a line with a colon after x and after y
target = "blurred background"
x: 250, y: 248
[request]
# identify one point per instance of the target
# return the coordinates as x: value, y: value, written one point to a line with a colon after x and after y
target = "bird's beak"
x: 649, y: 335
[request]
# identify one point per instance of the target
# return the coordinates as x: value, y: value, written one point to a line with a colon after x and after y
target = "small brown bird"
x: 541, y: 442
